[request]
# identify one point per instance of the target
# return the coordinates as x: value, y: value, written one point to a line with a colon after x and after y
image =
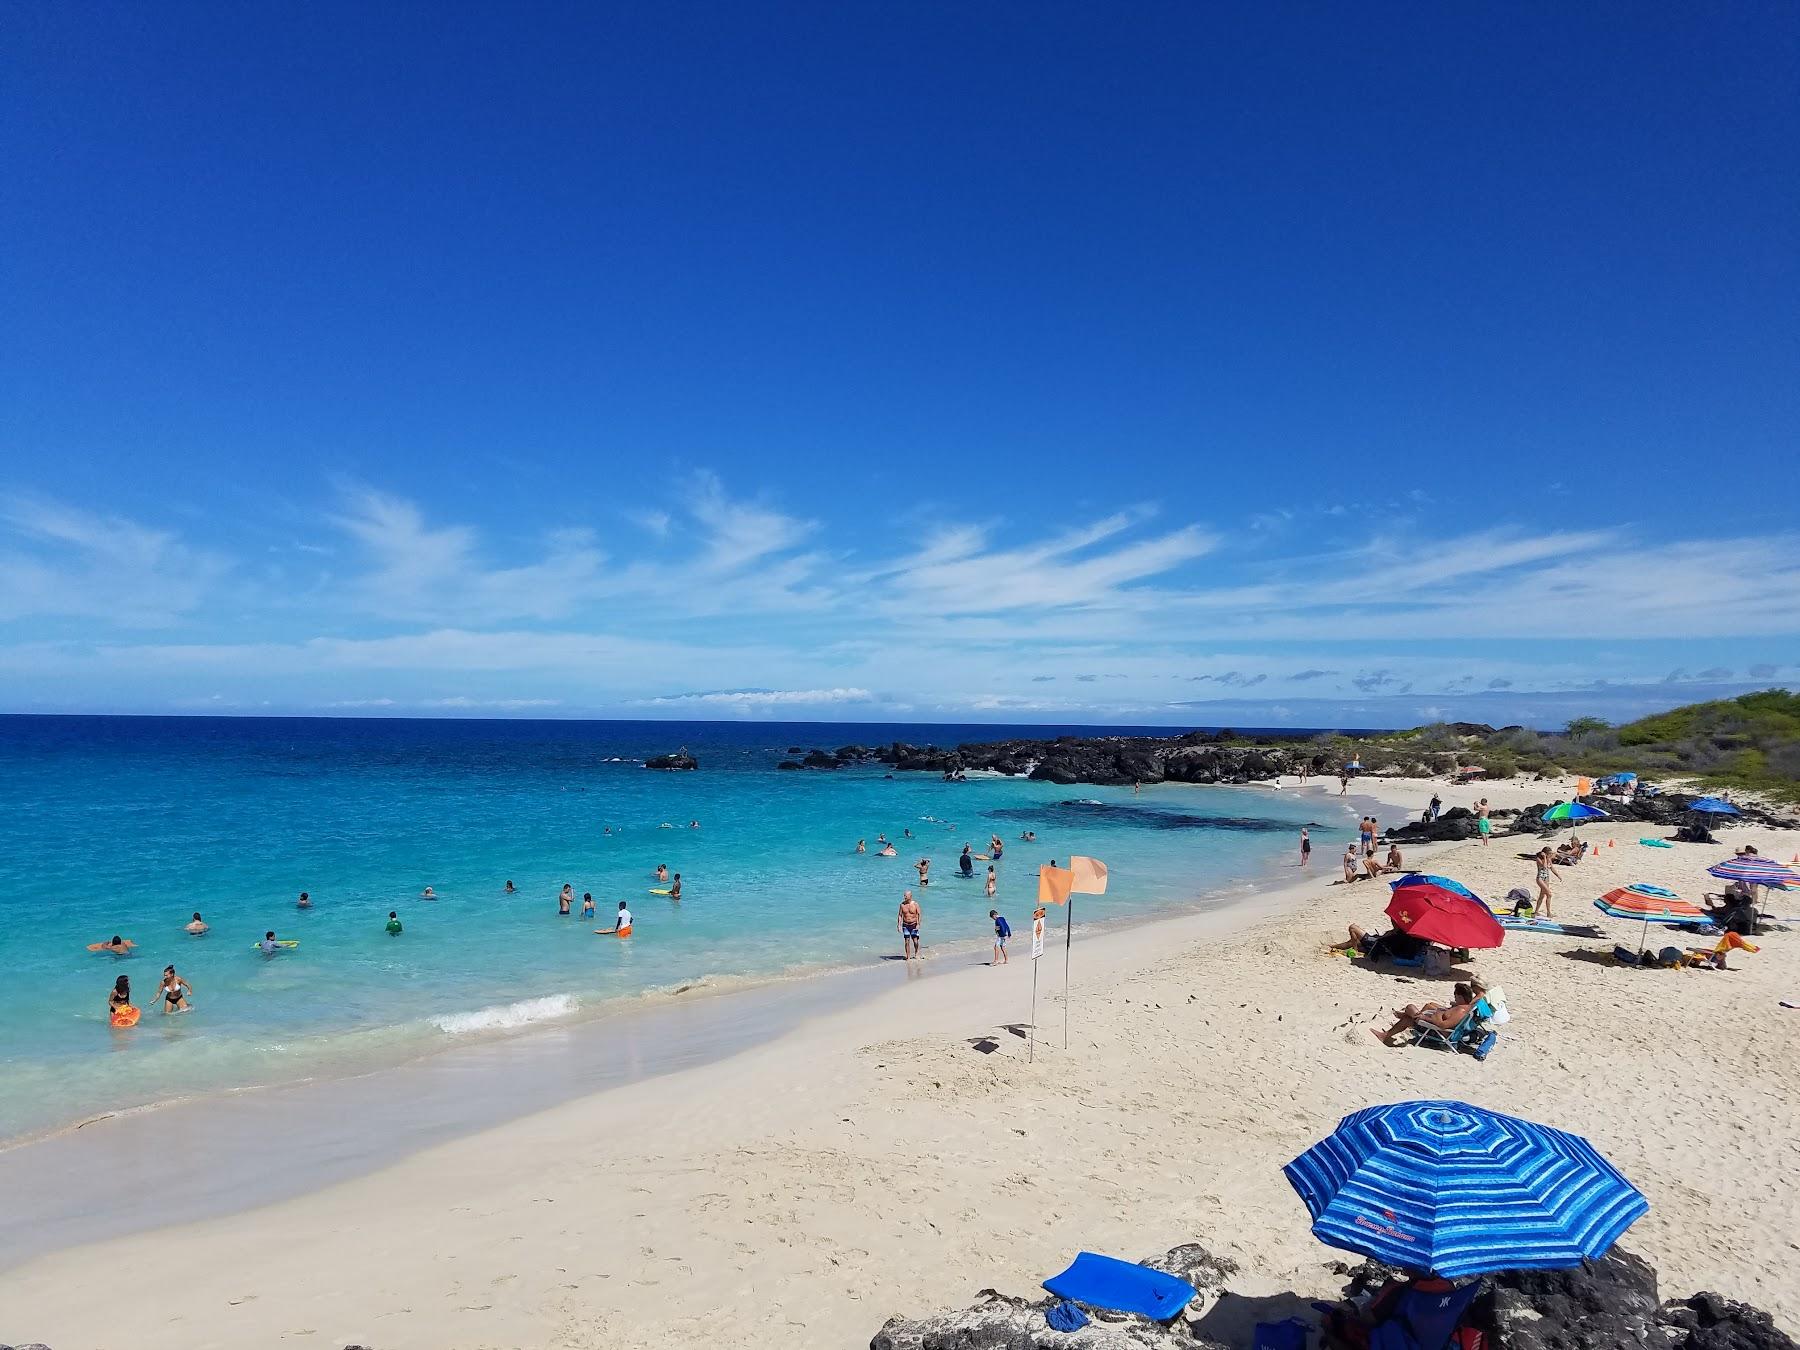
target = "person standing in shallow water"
x: 1305, y: 847
x: 565, y: 901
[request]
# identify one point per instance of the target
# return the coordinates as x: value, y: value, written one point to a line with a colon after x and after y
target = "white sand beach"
x: 903, y: 1154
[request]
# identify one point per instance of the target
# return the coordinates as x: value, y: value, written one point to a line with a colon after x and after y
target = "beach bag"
x: 1437, y: 962
x: 1497, y: 1016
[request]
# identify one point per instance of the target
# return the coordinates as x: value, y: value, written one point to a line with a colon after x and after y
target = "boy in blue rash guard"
x: 1002, y: 931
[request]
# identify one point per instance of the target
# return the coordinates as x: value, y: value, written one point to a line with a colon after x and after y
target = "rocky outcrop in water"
x: 1607, y: 1304
x: 681, y: 759
x: 1111, y: 761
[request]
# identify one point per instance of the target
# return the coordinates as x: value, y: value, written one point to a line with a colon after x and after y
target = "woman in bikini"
x: 1545, y: 870
x: 175, y: 992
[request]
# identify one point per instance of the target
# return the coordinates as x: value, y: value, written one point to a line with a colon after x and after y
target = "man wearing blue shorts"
x: 910, y: 920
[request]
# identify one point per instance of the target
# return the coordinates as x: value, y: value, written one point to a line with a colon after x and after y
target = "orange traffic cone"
x: 1612, y: 843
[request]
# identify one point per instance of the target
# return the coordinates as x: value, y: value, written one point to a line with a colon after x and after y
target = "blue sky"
x: 1301, y: 365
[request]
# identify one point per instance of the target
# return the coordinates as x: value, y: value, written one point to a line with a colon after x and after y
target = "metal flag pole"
x: 1031, y: 1045
x: 1068, y: 943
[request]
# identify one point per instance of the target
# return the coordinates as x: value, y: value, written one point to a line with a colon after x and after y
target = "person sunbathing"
x: 1393, y: 943
x: 1462, y: 1000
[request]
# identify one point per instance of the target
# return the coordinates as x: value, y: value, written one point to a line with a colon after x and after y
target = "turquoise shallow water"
x: 127, y: 825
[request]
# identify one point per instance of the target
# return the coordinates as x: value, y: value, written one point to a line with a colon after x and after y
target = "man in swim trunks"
x: 996, y: 849
x: 621, y: 926
x: 198, y: 925
x: 662, y: 871
x: 911, y: 918
x: 1002, y: 931
x: 566, y: 900
x: 118, y: 946
x: 1481, y: 820
x: 675, y: 887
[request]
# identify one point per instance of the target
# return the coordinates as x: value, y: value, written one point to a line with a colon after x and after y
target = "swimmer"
x: 882, y: 839
x: 889, y: 852
x: 268, y: 946
x: 305, y: 901
x: 120, y: 998
x: 621, y: 925
x: 924, y: 869
x: 908, y: 832
x: 510, y: 889
x: 1029, y: 836
x: 565, y: 901
x: 118, y: 946
x: 992, y: 881
x: 674, y: 889
x: 394, y: 928
x: 665, y: 826
x: 662, y: 871
x: 693, y: 824
x: 196, y: 925
x: 862, y: 846
x: 176, y: 992
x: 587, y: 904
x: 995, y: 847
x: 428, y: 894
x: 965, y: 864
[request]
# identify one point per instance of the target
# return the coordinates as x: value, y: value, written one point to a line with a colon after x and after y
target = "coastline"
x: 898, y: 1163
x: 212, y: 1147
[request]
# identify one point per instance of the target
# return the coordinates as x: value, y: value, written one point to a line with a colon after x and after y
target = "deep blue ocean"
x: 128, y: 825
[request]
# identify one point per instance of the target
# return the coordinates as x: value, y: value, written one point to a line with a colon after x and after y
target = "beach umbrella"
x: 1712, y: 806
x: 1457, y: 1190
x: 1443, y: 911
x: 1573, y: 811
x: 1641, y: 900
x: 1755, y: 871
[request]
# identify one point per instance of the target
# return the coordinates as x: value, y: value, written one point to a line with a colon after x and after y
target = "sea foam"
x: 505, y: 1016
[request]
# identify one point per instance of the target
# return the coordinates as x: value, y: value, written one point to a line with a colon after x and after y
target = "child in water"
x: 393, y: 924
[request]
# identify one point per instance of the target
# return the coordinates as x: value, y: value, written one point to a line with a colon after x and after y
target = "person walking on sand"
x: 1481, y: 821
x: 1305, y: 847
x: 1343, y: 784
x: 1545, y: 870
x: 1002, y: 931
x: 910, y: 920
x: 991, y: 881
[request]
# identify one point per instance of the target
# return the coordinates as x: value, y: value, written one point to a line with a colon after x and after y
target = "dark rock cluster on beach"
x: 1100, y: 760
x: 1602, y: 1305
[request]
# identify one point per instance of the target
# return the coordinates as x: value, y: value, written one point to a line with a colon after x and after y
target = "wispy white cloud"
x: 762, y: 698
x: 60, y: 561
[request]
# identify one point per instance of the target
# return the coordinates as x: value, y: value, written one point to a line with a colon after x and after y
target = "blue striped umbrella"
x: 1458, y: 1190
x: 1712, y: 806
x: 1755, y: 871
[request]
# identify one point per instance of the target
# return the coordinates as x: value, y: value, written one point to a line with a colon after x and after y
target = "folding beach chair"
x: 1426, y: 1034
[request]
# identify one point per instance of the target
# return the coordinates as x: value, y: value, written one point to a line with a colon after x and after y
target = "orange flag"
x: 1053, y: 885
x: 1088, y: 876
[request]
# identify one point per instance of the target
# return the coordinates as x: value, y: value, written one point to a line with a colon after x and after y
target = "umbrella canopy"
x: 1755, y: 871
x: 1456, y: 1190
x: 1440, y: 910
x: 1574, y: 811
x: 1640, y: 900
x: 1712, y: 806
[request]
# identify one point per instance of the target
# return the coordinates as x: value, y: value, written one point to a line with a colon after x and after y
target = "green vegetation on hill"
x: 1748, y: 742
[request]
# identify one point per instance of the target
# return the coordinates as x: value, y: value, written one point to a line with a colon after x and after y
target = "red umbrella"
x: 1451, y: 918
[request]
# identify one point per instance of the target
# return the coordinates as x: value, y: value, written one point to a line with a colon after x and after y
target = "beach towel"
x: 1656, y: 843
x: 1107, y: 1282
